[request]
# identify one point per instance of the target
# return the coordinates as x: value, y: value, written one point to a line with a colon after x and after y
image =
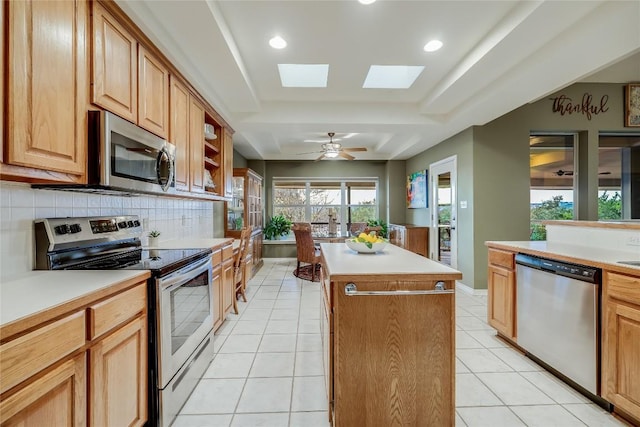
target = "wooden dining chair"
x: 306, y: 250
x: 239, y: 278
x: 369, y: 229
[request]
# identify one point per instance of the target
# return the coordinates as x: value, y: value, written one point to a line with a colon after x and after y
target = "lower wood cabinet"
x: 501, y: 301
x: 413, y: 238
x: 621, y: 344
x: 228, y: 284
x: 87, y: 368
x: 217, y: 294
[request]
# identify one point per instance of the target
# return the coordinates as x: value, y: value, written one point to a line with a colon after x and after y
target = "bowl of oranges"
x: 366, y: 243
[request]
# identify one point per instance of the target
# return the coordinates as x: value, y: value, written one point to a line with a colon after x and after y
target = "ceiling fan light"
x: 365, y: 2
x: 331, y: 154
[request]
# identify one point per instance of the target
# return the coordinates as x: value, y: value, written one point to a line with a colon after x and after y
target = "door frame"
x: 448, y: 164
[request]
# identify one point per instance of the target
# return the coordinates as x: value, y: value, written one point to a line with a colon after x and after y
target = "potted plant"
x: 378, y: 223
x: 153, y: 237
x: 276, y: 227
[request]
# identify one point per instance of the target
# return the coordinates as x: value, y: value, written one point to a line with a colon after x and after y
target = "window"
x: 618, y: 158
x: 314, y: 201
x: 552, y: 176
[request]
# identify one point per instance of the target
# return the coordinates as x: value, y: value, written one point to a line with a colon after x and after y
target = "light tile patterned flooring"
x: 267, y: 370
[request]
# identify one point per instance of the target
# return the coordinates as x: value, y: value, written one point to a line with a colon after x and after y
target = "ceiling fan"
x: 331, y: 150
x: 561, y: 172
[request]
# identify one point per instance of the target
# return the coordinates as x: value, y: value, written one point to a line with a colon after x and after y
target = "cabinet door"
x: 153, y: 93
x: 217, y: 294
x: 196, y: 145
x: 57, y: 398
x: 621, y: 358
x: 115, y: 66
x: 227, y: 287
x: 179, y: 132
x: 501, y: 300
x: 227, y: 153
x: 46, y: 97
x: 118, y: 372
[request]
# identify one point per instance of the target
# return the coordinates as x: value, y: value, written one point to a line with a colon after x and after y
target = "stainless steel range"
x: 180, y: 297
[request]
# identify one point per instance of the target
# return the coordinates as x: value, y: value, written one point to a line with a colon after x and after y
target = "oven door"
x: 184, y: 316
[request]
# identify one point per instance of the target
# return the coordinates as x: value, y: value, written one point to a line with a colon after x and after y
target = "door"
x: 443, y: 190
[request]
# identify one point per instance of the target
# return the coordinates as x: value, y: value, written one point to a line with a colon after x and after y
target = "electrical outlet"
x: 633, y: 240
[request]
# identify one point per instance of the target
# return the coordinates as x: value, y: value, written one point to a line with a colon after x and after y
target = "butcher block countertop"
x: 343, y: 263
x: 605, y: 259
x: 41, y: 295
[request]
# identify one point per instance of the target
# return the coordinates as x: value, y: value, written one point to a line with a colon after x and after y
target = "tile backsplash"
x: 20, y: 205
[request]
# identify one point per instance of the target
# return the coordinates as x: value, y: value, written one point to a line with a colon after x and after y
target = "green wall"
x: 460, y: 145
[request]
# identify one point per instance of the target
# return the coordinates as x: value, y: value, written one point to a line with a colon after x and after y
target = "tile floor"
x: 267, y: 370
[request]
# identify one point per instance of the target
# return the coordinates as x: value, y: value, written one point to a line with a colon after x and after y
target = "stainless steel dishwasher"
x: 558, y: 306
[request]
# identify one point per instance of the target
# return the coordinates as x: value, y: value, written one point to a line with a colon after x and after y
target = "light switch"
x: 463, y: 204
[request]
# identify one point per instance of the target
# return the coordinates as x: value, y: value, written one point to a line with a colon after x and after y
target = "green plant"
x: 154, y: 233
x: 277, y: 226
x: 378, y: 223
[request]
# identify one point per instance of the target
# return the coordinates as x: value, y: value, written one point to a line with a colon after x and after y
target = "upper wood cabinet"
x: 153, y: 94
x: 128, y: 79
x: 187, y: 134
x: 227, y: 151
x: 46, y: 88
x: 115, y: 65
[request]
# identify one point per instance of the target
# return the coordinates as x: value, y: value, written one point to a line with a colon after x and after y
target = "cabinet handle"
x: 351, y: 290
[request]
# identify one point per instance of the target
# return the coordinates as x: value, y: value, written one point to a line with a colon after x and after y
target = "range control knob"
x: 75, y: 228
x: 129, y: 223
x: 122, y: 224
x: 62, y: 229
x: 136, y: 223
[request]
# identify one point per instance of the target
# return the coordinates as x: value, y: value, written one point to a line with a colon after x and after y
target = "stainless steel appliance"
x: 124, y: 157
x: 558, y: 317
x: 180, y: 297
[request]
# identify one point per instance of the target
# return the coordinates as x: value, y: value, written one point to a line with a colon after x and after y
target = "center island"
x: 388, y: 334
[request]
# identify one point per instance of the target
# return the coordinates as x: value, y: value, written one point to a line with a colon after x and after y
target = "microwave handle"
x: 164, y: 156
x: 178, y: 278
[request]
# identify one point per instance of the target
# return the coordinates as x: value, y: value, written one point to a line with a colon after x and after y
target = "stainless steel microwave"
x: 123, y: 156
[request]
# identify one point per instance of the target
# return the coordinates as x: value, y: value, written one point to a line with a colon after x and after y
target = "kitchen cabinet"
x: 128, y: 79
x: 501, y: 302
x: 115, y: 65
x: 228, y: 293
x: 153, y: 93
x: 46, y: 69
x: 227, y: 153
x: 245, y: 207
x: 88, y: 367
x: 388, y: 357
x: 217, y: 288
x: 620, y: 343
x: 179, y: 132
x: 413, y: 238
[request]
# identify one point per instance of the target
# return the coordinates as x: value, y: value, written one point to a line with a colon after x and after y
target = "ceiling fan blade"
x: 355, y: 149
x: 604, y: 173
x: 319, y: 158
x: 345, y: 155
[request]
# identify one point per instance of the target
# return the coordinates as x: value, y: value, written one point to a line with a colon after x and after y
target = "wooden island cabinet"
x: 413, y: 238
x: 388, y: 332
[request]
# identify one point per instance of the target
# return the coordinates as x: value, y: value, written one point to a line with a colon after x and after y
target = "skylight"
x: 392, y: 76
x: 303, y: 75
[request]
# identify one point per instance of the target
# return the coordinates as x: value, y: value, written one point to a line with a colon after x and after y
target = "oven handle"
x: 178, y: 278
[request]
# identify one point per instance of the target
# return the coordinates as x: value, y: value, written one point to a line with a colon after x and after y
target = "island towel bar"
x: 351, y: 290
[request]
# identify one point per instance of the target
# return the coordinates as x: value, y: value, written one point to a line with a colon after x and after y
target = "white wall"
x: 20, y: 205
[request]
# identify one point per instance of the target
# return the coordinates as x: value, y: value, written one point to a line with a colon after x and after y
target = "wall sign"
x: 632, y: 105
x: 587, y: 106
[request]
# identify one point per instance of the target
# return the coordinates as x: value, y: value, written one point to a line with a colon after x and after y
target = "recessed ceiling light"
x: 367, y: 1
x: 432, y: 46
x: 278, y: 42
x: 392, y: 76
x: 303, y: 75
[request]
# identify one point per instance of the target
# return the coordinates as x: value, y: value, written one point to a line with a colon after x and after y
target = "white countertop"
x: 41, y: 290
x: 190, y: 243
x: 603, y: 258
x: 392, y: 260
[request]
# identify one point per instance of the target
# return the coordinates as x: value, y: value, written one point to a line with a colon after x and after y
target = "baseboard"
x: 469, y: 290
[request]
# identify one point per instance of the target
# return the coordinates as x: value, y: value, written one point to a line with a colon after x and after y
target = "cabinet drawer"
x: 216, y: 257
x: 35, y: 351
x: 116, y: 310
x: 227, y: 252
x: 625, y: 288
x: 502, y: 258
